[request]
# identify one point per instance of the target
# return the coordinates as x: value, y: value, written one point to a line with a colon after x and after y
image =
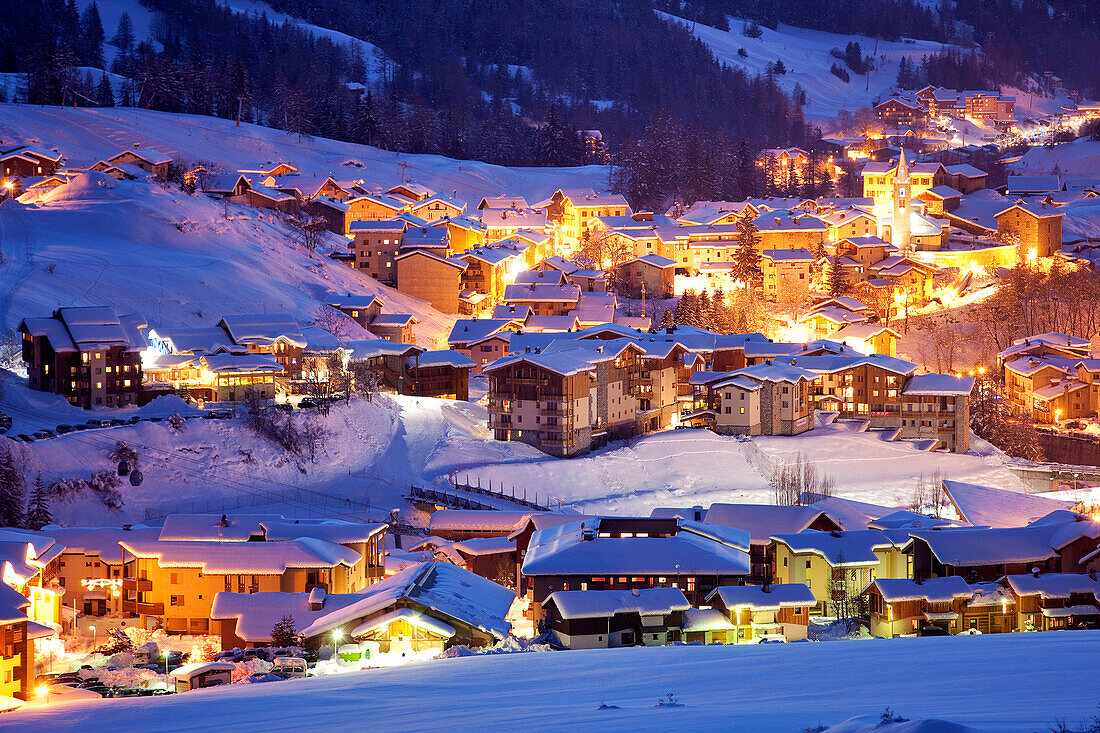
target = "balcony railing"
x: 143, y: 609
x: 137, y: 584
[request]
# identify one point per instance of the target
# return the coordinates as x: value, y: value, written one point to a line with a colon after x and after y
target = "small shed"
x: 202, y: 674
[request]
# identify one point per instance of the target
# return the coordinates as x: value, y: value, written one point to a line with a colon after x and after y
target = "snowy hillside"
x: 805, y: 54
x: 172, y: 258
x: 959, y: 684
x: 87, y: 135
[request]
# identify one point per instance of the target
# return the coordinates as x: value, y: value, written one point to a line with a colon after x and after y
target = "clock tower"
x: 903, y: 208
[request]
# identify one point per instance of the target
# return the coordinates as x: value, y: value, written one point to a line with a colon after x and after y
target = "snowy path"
x: 988, y: 682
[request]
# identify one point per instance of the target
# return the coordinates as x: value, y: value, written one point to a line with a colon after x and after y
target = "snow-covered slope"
x: 87, y: 135
x: 805, y: 54
x: 986, y: 682
x: 173, y: 258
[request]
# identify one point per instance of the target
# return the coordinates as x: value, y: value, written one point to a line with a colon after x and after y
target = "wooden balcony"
x: 137, y: 584
x: 143, y: 609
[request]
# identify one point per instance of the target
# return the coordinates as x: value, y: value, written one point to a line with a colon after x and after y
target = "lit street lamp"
x: 44, y: 691
x: 93, y: 635
x: 336, y: 635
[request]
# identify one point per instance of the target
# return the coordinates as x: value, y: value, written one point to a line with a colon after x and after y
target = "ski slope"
x: 959, y: 684
x: 805, y: 54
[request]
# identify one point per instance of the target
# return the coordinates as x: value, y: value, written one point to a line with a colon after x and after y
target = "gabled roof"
x: 989, y: 507
x: 263, y: 329
x: 149, y: 155
x: 934, y: 590
x: 762, y: 521
x: 1053, y: 585
x: 257, y: 613
x: 241, y: 558
x: 455, y: 263
x: 466, y: 330
x: 840, y: 549
x: 938, y: 384
x: 447, y: 593
x: 764, y: 598
x: 605, y: 603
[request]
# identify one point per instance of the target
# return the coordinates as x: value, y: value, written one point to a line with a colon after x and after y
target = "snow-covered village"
x: 694, y: 364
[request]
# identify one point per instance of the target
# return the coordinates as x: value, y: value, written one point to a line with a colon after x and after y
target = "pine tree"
x: 105, y: 95
x: 12, y: 491
x: 667, y: 320
x: 284, y: 632
x: 836, y: 282
x: 124, y: 36
x: 747, y: 256
x: 38, y: 513
x: 91, y: 36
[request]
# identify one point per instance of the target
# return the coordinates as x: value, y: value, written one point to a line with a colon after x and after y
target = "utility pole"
x: 404, y: 167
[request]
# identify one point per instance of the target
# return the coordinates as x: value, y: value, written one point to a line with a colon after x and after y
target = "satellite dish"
x: 1036, y: 570
x: 135, y: 478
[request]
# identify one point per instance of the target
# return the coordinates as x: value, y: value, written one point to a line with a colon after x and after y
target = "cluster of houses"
x: 1051, y: 377
x: 918, y: 108
x: 567, y: 392
x: 733, y: 573
x: 95, y: 358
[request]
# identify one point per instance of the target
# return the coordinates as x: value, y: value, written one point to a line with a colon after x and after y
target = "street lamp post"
x: 92, y: 627
x: 336, y: 634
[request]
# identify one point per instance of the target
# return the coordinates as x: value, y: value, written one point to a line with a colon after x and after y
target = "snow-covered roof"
x: 764, y: 598
x: 542, y: 292
x: 934, y: 590
x: 840, y: 549
x: 706, y: 619
x: 966, y: 547
x: 653, y: 260
x: 986, y: 506
x: 385, y: 225
x: 604, y: 603
x: 466, y: 330
x: 1053, y: 585
x: 442, y: 357
x: 410, y: 617
x: 564, y: 363
x: 329, y: 530
x: 938, y: 384
x: 1032, y: 184
x: 458, y: 520
x: 537, y: 323
x: 446, y: 592
x: 101, y: 541
x: 12, y: 603
x: 149, y: 155
x: 257, y: 613
x: 255, y: 558
x: 761, y: 521
x: 263, y: 329
x: 788, y: 255
x: 240, y: 363
x: 571, y: 549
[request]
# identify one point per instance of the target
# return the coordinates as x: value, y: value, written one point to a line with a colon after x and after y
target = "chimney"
x: 697, y: 512
x: 767, y: 588
x: 778, y: 220
x: 634, y: 592
x: 1092, y: 574
x: 224, y: 522
x: 1035, y: 571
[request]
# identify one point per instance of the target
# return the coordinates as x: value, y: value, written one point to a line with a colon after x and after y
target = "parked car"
x: 304, y: 404
x: 135, y: 419
x: 64, y: 429
x: 45, y: 434
x: 26, y: 438
x: 155, y: 419
x: 290, y: 667
x: 117, y: 422
x: 931, y: 630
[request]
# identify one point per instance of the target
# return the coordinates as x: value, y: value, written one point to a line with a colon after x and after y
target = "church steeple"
x: 900, y: 226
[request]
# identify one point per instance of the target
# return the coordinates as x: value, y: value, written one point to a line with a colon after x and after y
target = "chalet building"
x: 604, y: 619
x: 373, y: 207
x: 571, y: 210
x: 431, y: 277
x: 360, y: 308
x: 436, y: 207
x: 504, y: 223
x: 650, y: 274
x: 937, y: 406
x: 901, y: 112
x: 756, y: 611
x: 465, y: 232
x: 428, y: 607
x: 980, y: 104
x: 991, y: 610
x: 787, y: 272
x: 376, y: 246
x: 492, y: 558
x: 172, y: 584
x: 965, y: 178
x: 1054, y: 544
x: 17, y: 634
x: 89, y: 567
x: 1039, y: 228
x: 664, y: 382
x: 246, y: 619
x: 395, y: 327
x: 568, y: 398
x: 27, y: 161
x: 1051, y: 377
x: 444, y: 374
x: 627, y: 553
x: 387, y: 358
x: 900, y: 607
x: 333, y: 211
x: 1052, y: 601
x: 855, y: 222
x: 868, y: 338
x: 483, y: 340
x: 828, y: 561
x: 147, y: 159
x: 826, y: 318
x: 490, y: 269
x: 790, y: 232
x: 89, y: 355
x: 304, y: 188
x: 940, y: 200
x: 545, y: 299
x: 763, y: 399
x: 274, y: 334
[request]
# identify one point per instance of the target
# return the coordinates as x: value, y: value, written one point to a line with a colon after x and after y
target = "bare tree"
x: 310, y: 230
x: 366, y: 380
x: 797, y: 477
x: 603, y: 251
x: 313, y: 437
x: 332, y: 320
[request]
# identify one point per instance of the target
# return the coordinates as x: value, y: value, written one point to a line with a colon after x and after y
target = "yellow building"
x: 831, y: 562
x: 17, y: 635
x: 765, y: 610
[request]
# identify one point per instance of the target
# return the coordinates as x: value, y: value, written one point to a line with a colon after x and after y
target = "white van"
x: 290, y: 667
x: 203, y: 674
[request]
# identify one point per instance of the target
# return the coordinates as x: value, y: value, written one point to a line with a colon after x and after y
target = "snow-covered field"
x: 1008, y: 683
x: 805, y: 54
x: 375, y: 450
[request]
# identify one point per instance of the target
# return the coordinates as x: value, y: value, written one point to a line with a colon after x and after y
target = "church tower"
x: 903, y: 208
